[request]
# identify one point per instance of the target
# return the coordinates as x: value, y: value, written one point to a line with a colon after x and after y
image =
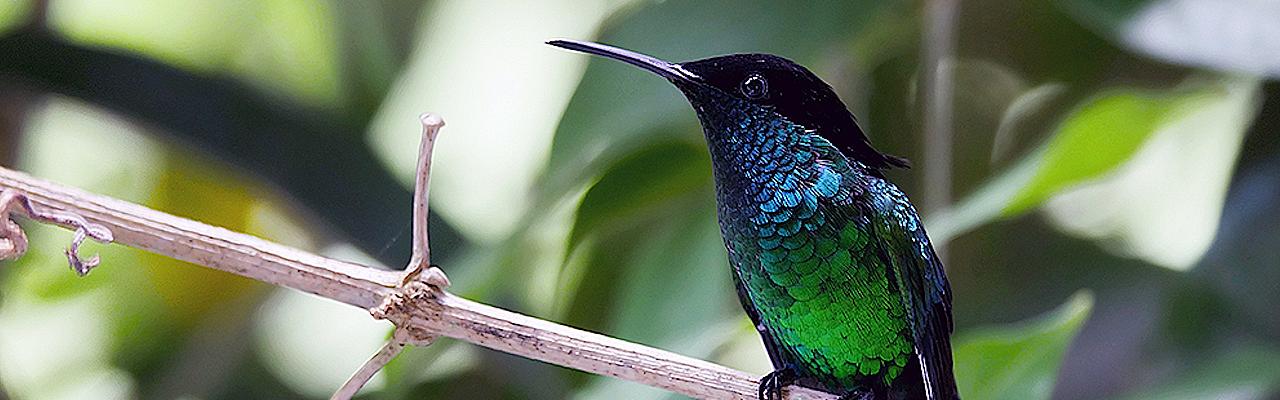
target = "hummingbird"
x: 830, y: 259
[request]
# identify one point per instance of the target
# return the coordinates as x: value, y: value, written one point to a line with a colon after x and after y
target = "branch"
x: 419, y: 307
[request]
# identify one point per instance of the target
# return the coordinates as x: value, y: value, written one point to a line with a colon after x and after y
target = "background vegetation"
x: 1112, y: 225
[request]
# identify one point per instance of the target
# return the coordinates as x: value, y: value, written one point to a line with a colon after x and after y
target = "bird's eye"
x: 754, y: 87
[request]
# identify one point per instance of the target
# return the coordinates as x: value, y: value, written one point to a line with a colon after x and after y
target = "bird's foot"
x: 859, y: 395
x: 771, y: 385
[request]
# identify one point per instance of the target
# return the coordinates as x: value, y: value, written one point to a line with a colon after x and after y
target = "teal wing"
x: 925, y: 292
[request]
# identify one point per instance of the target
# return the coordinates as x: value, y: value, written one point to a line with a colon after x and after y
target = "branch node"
x: 422, y: 281
x: 435, y: 277
x: 398, y: 307
x: 13, y: 241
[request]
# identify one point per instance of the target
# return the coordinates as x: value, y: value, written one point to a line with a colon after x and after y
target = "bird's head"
x: 761, y: 83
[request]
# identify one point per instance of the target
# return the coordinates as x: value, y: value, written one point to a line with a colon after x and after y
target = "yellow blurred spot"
x: 195, y: 188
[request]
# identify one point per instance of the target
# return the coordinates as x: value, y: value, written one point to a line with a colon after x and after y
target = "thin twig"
x: 421, y: 257
x: 379, y: 360
x: 420, y: 307
x: 38, y: 19
x: 937, y: 88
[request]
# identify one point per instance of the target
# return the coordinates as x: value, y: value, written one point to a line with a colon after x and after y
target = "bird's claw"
x: 771, y: 385
x: 858, y: 395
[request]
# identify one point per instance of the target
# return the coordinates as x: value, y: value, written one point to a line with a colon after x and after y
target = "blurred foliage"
x: 1190, y: 158
x: 1242, y: 373
x: 1189, y: 32
x: 1093, y: 141
x: 1018, y: 362
x: 581, y: 192
x: 1099, y: 136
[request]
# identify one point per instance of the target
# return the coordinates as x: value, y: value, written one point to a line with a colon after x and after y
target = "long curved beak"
x: 671, y: 71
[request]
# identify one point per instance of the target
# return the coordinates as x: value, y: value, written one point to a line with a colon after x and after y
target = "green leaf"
x: 1019, y: 361
x: 642, y: 182
x: 201, y: 35
x: 636, y: 203
x: 1096, y: 138
x: 13, y: 13
x: 664, y: 284
x: 1183, y: 171
x: 647, y: 246
x: 1100, y: 135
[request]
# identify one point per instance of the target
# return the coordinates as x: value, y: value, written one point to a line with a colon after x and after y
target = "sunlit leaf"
x: 501, y: 92
x: 1097, y: 137
x: 42, y: 342
x: 200, y: 34
x: 1019, y: 361
x: 13, y: 13
x: 1234, y: 36
x: 1163, y: 206
x: 1101, y: 134
x: 286, y: 45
